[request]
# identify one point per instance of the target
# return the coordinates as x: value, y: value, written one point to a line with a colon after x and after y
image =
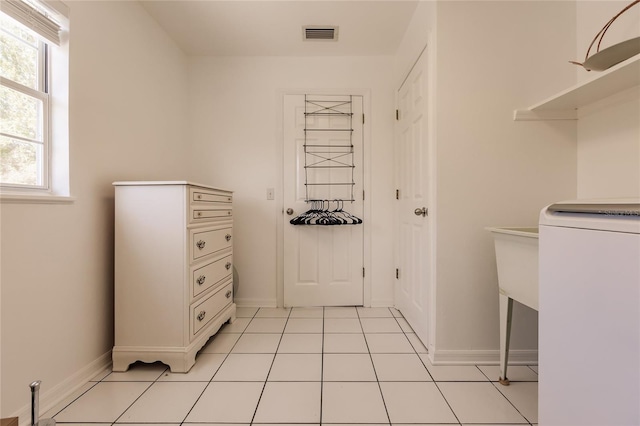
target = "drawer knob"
x: 200, y: 244
x: 201, y: 315
x: 201, y: 279
x: 199, y: 214
x: 227, y: 237
x: 228, y: 294
x: 199, y: 196
x: 228, y: 265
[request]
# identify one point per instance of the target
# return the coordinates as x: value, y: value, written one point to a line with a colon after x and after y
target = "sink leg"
x: 506, y: 310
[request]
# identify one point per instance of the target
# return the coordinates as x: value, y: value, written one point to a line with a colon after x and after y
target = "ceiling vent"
x: 320, y: 33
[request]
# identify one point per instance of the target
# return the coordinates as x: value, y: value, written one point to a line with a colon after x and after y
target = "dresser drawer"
x: 205, y: 242
x: 203, y: 196
x: 209, y: 275
x: 202, y: 214
x: 205, y: 311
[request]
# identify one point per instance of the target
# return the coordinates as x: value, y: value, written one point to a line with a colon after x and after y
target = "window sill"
x: 22, y: 198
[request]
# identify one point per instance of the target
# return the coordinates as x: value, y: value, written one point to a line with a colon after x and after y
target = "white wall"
x: 491, y: 58
x: 608, y: 130
x: 235, y: 108
x: 128, y: 103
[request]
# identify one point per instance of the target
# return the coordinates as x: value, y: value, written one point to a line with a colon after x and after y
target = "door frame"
x: 279, y: 196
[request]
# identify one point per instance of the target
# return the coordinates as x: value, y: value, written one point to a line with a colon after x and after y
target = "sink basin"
x: 517, y: 262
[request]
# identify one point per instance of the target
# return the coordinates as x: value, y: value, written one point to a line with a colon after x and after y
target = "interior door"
x: 413, y: 237
x: 323, y: 160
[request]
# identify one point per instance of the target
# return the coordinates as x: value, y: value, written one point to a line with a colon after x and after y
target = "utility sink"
x: 517, y: 262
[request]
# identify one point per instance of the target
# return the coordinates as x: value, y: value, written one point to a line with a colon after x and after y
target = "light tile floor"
x: 308, y: 366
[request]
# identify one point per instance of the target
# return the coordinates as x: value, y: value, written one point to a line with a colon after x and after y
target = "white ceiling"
x: 274, y: 28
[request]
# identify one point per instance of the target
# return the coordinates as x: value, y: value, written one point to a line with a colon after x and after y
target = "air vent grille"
x: 320, y: 33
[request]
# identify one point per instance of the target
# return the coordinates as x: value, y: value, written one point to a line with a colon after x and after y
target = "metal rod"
x: 330, y: 183
x: 35, y: 407
x: 327, y: 146
x: 329, y: 113
x: 329, y: 167
x: 35, y: 396
x: 328, y: 130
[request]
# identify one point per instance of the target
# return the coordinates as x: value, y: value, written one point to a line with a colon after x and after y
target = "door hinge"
x: 362, y: 118
x: 397, y: 114
x: 362, y: 195
x: 397, y: 273
x: 397, y: 194
x: 362, y: 272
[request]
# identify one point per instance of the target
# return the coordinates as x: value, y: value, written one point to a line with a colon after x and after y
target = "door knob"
x: 289, y: 211
x: 421, y: 212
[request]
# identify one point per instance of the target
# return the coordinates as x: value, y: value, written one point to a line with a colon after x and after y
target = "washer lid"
x: 619, y: 214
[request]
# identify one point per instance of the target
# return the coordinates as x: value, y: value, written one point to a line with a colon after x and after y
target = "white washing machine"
x: 589, y: 317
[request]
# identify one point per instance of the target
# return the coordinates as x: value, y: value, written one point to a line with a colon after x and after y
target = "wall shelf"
x: 565, y: 105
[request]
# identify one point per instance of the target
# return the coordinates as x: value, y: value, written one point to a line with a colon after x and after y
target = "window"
x: 24, y: 107
x: 33, y: 131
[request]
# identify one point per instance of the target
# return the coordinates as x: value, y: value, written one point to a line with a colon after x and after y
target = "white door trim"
x: 279, y: 205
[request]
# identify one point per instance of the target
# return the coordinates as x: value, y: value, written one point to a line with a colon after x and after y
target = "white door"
x: 413, y: 237
x: 323, y: 264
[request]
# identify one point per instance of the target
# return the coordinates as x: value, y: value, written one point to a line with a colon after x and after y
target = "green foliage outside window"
x: 21, y: 114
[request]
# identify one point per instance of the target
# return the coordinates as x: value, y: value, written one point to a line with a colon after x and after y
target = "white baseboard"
x: 381, y: 303
x: 246, y: 302
x: 483, y: 357
x: 64, y: 389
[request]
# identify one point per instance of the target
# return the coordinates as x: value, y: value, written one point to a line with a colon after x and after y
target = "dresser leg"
x: 232, y: 318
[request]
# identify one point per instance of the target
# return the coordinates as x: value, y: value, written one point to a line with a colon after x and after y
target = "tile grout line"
x: 80, y: 396
x: 407, y: 337
x: 414, y: 349
x: 462, y: 381
x: 217, y: 369
x: 136, y: 399
x: 428, y: 372
x: 139, y: 396
x: 509, y: 401
x: 384, y: 403
x: 266, y: 380
x: 503, y: 395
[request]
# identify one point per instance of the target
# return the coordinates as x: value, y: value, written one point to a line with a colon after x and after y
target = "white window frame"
x: 54, y: 88
x: 42, y: 95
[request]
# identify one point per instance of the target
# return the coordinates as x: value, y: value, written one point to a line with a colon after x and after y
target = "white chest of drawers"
x: 173, y: 271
